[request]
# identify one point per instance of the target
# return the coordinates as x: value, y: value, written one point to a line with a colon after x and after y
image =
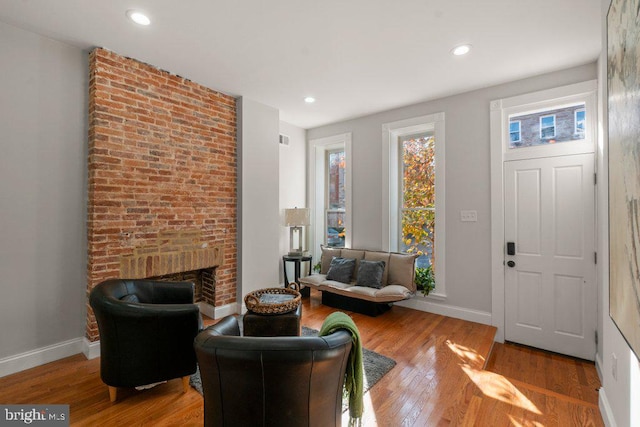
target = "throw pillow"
x: 370, y: 274
x: 130, y: 298
x: 402, y: 270
x: 327, y: 256
x: 355, y: 254
x: 341, y: 269
x: 380, y: 256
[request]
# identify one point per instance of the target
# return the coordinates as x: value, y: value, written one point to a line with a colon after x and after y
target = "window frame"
x: 392, y: 182
x: 317, y: 184
x: 542, y: 101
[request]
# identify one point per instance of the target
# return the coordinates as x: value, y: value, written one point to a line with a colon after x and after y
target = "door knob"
x: 511, y: 264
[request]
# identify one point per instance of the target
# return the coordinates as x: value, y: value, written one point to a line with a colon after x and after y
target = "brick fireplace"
x: 162, y: 180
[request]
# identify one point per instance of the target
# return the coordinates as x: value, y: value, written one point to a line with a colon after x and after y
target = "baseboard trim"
x: 90, y: 349
x: 217, y: 312
x: 40, y: 356
x: 599, y: 368
x: 422, y: 304
x: 605, y: 409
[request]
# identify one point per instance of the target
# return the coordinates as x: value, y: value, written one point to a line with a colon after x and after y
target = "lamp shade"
x: 296, y: 217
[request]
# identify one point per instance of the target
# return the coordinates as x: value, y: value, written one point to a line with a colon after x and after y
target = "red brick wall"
x: 162, y: 158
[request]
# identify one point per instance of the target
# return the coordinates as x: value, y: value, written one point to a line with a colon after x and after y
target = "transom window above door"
x: 548, y: 123
x: 548, y: 126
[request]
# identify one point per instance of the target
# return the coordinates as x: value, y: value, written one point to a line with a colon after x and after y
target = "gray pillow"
x: 327, y: 256
x: 341, y: 269
x: 130, y: 298
x: 370, y: 274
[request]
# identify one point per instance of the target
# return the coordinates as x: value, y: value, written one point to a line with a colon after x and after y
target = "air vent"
x: 284, y: 140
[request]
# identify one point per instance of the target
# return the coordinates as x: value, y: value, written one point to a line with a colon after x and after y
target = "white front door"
x: 550, y: 290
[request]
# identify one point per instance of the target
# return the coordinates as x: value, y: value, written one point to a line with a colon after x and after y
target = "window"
x: 329, y: 192
x: 579, y: 120
x: 547, y: 127
x: 514, y: 131
x: 336, y: 204
x: 413, y: 192
x: 417, y: 204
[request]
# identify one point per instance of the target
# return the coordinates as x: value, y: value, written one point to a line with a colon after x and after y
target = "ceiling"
x: 356, y: 57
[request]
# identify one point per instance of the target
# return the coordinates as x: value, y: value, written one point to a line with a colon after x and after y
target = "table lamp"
x: 296, y: 218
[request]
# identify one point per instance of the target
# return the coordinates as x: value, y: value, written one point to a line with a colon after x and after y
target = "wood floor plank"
x: 445, y: 376
x: 565, y: 375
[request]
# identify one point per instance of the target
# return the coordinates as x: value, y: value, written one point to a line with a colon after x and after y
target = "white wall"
x: 467, y: 179
x: 258, y: 197
x: 43, y: 134
x: 618, y: 397
x: 292, y: 185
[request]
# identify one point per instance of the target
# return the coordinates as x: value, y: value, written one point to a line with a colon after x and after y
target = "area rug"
x: 375, y: 365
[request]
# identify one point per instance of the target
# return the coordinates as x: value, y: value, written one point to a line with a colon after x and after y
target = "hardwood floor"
x: 444, y: 376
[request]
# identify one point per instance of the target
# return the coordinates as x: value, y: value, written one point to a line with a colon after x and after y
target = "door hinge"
x: 596, y: 337
x: 595, y: 257
x: 595, y: 179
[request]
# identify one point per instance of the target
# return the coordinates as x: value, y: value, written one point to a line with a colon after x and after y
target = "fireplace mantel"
x: 142, y: 266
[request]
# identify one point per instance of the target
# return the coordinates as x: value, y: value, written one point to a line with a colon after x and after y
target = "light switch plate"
x: 468, y: 216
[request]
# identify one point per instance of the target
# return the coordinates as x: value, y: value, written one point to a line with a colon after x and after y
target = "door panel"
x: 569, y: 221
x: 529, y: 285
x: 550, y: 292
x: 528, y: 211
x: 569, y: 298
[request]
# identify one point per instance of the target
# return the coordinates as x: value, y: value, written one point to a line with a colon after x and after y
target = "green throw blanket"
x: 353, y: 381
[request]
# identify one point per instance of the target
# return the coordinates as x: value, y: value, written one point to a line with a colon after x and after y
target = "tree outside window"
x: 418, y: 198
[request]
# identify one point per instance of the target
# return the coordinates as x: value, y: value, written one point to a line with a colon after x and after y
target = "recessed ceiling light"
x: 463, y: 49
x: 309, y: 100
x: 138, y: 17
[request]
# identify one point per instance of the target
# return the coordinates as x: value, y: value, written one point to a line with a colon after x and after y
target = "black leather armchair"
x: 274, y: 381
x: 146, y: 330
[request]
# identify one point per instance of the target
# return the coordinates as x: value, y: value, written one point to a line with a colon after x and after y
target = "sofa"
x: 385, y: 277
